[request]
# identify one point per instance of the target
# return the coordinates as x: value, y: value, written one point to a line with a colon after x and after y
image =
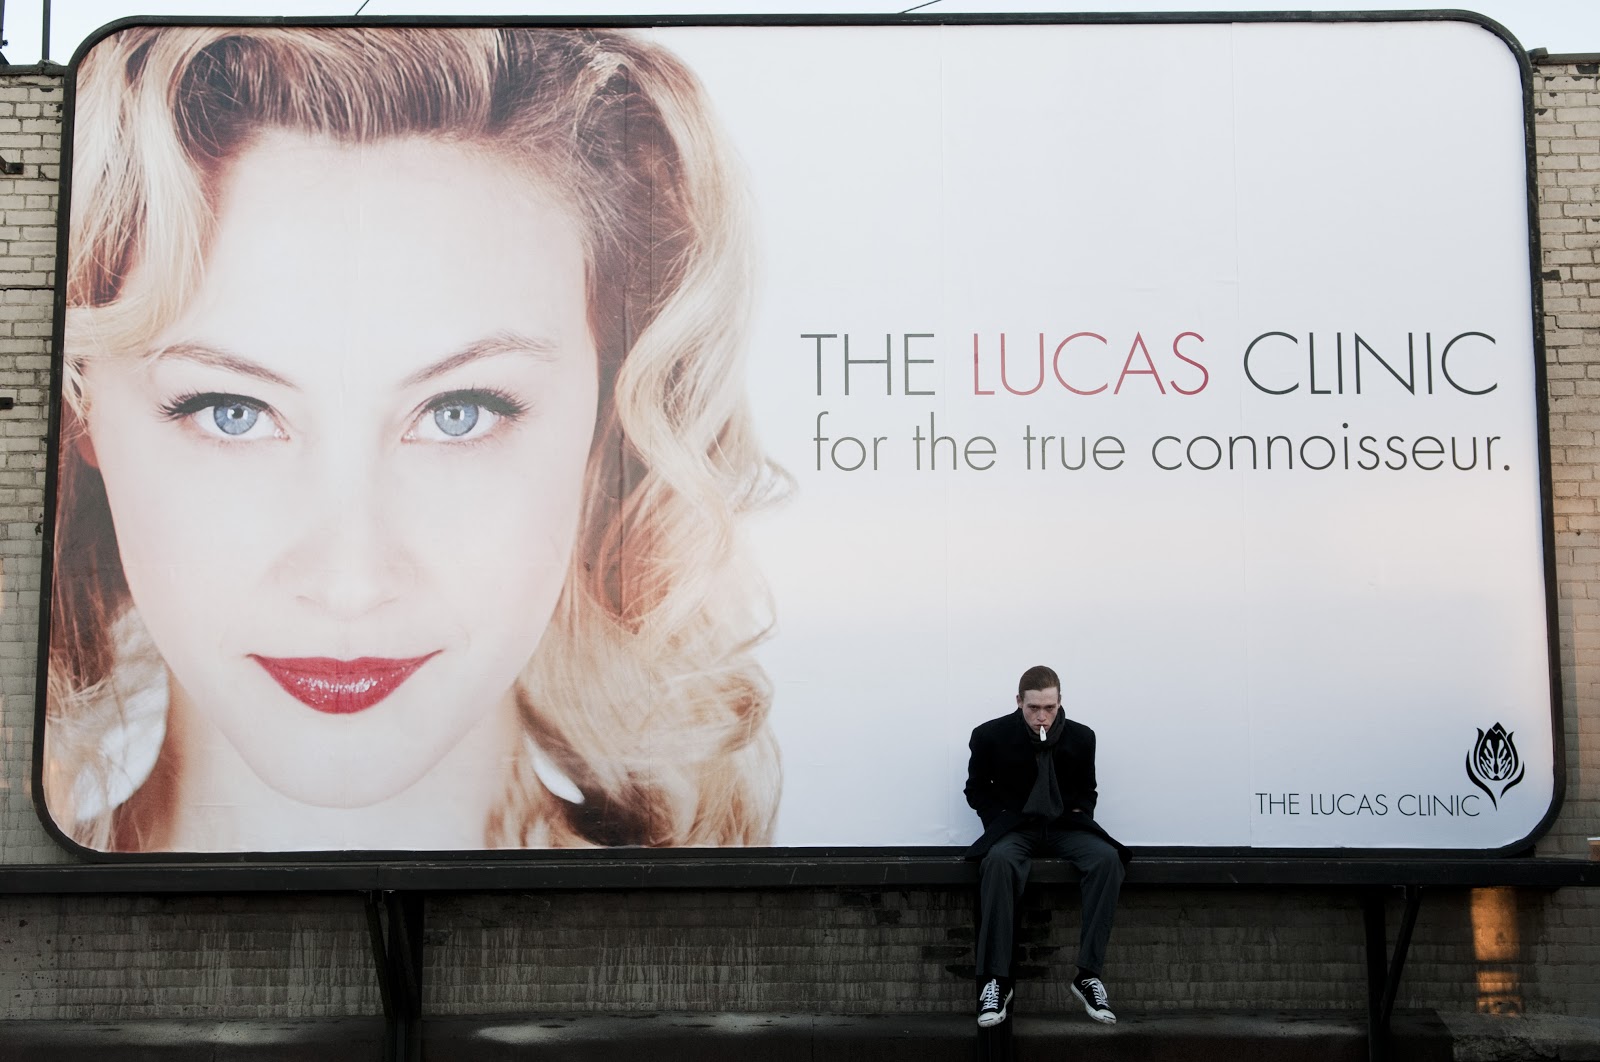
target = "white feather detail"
x: 135, y: 697
x: 552, y: 777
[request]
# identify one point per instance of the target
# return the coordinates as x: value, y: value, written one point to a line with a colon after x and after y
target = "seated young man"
x: 1031, y: 780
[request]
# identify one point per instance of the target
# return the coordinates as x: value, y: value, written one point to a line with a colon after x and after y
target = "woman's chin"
x: 359, y: 782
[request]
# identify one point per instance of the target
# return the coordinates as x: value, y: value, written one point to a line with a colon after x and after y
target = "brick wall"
x: 30, y: 133
x: 806, y: 950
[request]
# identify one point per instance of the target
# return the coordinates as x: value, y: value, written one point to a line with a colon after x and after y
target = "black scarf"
x: 1044, y: 801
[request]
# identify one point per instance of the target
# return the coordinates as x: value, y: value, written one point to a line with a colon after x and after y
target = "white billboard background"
x: 1248, y: 645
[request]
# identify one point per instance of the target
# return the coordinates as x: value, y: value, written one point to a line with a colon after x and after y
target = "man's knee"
x: 1002, y: 866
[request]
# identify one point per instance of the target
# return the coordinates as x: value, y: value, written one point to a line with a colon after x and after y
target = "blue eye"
x: 456, y: 419
x: 469, y: 415
x: 235, y: 418
x: 219, y: 415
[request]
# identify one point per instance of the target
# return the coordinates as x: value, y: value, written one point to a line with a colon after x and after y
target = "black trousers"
x: 1004, y: 873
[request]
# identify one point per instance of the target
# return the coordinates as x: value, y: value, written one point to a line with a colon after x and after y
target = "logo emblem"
x: 1494, y: 761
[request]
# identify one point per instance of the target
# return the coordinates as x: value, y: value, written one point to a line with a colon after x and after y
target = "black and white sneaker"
x: 1091, y: 992
x: 992, y: 1003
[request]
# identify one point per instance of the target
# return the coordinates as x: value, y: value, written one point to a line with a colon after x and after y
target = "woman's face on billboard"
x: 347, y: 482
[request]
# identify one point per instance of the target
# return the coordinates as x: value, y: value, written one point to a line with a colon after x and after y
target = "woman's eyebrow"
x: 220, y: 359
x: 500, y: 343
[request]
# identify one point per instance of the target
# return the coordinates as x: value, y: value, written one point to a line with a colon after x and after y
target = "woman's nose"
x: 350, y: 557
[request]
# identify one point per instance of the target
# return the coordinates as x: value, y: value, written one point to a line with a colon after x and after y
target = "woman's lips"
x: 340, y: 687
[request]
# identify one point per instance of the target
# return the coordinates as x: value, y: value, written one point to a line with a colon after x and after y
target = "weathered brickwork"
x: 799, y: 950
x: 30, y: 134
x: 185, y: 957
x: 1562, y: 931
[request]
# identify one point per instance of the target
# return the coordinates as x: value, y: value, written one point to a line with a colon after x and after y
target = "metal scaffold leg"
x: 1383, y: 969
x: 994, y: 1043
x: 394, y: 922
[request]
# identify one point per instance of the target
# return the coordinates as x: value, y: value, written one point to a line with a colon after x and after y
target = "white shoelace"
x: 990, y: 996
x: 1097, y: 991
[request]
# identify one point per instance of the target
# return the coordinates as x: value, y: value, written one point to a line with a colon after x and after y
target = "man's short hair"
x: 1038, y: 677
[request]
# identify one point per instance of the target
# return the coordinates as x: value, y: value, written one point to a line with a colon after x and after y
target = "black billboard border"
x: 637, y: 861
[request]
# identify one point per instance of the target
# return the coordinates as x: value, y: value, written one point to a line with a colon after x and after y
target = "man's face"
x: 1039, y: 707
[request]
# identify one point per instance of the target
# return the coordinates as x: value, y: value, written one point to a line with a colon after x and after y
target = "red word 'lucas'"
x: 1076, y: 366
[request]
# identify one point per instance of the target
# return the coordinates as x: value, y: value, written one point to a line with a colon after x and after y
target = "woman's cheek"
x: 163, y: 503
x: 233, y: 511
x: 521, y: 517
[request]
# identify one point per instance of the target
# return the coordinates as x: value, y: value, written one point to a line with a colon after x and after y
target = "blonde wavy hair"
x: 644, y: 691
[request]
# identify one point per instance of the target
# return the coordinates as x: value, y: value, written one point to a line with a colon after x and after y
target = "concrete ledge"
x: 334, y: 1039
x: 1236, y: 1037
x: 1542, y: 1037
x: 769, y: 869
x: 1227, y: 1037
x: 1254, y: 1036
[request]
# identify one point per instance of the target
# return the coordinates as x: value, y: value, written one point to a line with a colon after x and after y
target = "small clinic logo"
x: 1494, y: 761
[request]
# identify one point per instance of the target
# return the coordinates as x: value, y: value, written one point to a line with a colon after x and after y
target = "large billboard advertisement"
x: 522, y: 437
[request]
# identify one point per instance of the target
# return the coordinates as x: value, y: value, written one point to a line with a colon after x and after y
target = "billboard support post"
x: 1402, y: 943
x: 397, y: 956
x: 1372, y: 918
x: 1383, y: 980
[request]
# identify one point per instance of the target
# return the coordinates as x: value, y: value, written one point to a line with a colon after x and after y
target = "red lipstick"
x: 340, y: 687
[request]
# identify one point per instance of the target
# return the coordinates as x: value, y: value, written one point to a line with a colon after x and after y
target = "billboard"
x: 518, y: 437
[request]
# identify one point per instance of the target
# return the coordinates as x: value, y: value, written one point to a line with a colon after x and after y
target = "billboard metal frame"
x: 737, y: 867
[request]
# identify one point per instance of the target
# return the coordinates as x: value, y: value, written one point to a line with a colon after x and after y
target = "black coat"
x: 1002, y: 769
